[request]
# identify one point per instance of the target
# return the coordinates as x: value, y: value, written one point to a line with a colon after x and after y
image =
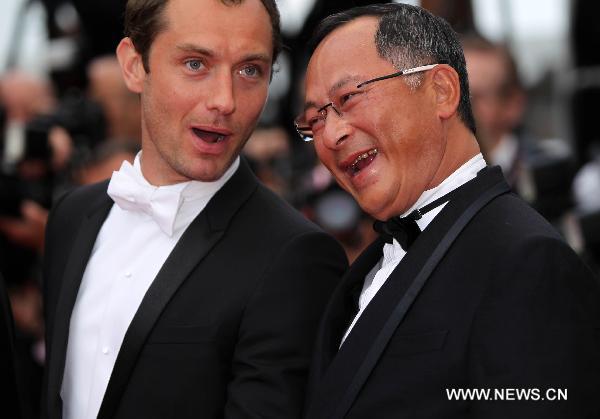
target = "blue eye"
x: 194, y: 65
x: 251, y: 71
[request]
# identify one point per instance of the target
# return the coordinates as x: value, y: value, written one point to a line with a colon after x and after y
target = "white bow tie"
x: 131, y: 192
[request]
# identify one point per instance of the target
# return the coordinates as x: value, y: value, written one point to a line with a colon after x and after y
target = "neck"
x: 155, y: 169
x: 461, y: 146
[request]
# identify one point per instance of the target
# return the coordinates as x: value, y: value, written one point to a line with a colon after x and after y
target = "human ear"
x: 132, y: 66
x: 446, y: 88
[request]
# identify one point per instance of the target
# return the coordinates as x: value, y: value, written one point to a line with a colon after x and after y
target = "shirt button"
x: 128, y: 274
x: 105, y: 350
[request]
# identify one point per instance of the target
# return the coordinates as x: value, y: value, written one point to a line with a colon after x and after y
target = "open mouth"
x: 362, y: 161
x: 210, y: 137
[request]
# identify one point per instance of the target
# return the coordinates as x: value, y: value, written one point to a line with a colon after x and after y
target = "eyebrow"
x: 336, y: 86
x: 342, y: 82
x: 191, y: 48
x: 310, y: 104
x: 257, y: 57
x: 195, y: 49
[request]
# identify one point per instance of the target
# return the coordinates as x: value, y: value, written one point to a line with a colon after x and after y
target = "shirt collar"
x: 193, y: 189
x: 459, y: 177
x: 393, y: 251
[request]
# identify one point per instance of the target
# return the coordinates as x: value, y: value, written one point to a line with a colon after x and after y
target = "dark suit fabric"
x: 509, y: 306
x: 9, y: 397
x: 228, y: 325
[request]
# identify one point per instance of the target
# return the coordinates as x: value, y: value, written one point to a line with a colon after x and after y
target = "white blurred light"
x: 413, y: 2
x: 536, y: 30
x: 293, y: 14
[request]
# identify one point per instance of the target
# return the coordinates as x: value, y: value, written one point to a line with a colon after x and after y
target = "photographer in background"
x: 540, y: 171
x: 42, y: 141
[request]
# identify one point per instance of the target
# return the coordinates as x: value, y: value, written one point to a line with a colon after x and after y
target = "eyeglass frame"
x: 323, y: 109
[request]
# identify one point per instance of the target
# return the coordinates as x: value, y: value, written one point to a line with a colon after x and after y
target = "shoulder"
x: 275, y: 217
x: 275, y: 236
x: 509, y: 243
x: 82, y: 196
x: 525, y: 255
x: 293, y: 261
x: 509, y: 220
x: 76, y: 203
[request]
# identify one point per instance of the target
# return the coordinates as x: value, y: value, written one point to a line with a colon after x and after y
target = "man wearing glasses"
x: 468, y: 288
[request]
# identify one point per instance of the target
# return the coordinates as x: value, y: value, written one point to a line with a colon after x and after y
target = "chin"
x: 208, y: 176
x: 217, y: 172
x: 206, y: 170
x: 370, y: 208
x: 370, y: 201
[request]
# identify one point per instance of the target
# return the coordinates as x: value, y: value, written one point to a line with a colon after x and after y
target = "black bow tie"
x: 405, y: 229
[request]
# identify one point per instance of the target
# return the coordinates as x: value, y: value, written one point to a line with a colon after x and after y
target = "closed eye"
x: 347, y: 96
x: 314, y: 120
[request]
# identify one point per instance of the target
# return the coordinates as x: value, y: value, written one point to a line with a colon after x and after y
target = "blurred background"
x: 67, y: 119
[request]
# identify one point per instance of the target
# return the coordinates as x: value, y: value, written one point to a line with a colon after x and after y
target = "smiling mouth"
x: 209, y: 136
x: 361, y: 162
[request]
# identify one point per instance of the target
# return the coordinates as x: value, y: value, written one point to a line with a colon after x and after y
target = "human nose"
x: 221, y: 98
x: 336, y: 129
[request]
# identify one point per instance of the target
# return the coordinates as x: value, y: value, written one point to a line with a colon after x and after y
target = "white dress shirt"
x: 393, y: 253
x: 128, y: 253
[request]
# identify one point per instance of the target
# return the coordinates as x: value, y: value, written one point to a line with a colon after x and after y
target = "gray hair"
x: 409, y: 36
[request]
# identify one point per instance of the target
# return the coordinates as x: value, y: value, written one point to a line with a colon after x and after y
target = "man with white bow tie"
x: 184, y: 288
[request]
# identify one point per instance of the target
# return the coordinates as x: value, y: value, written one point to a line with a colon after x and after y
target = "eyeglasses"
x: 313, y: 120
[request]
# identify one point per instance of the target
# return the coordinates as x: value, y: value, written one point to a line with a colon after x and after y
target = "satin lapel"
x: 341, y: 309
x: 77, y: 261
x: 200, y: 237
x: 350, y: 356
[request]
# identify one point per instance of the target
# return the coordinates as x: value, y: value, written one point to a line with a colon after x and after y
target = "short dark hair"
x: 144, y: 20
x: 409, y: 36
x: 473, y: 41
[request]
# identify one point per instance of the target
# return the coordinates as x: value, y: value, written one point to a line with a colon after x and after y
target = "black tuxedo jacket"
x: 228, y: 325
x: 10, y: 402
x: 509, y: 306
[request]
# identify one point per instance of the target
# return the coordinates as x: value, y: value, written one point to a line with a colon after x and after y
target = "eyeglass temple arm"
x: 399, y: 73
x: 389, y: 76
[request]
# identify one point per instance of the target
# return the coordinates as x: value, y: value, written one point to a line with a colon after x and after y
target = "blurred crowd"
x: 67, y: 119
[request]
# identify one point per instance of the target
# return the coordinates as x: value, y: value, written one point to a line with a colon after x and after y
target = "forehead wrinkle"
x: 337, y: 85
x: 310, y: 104
x: 342, y: 82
